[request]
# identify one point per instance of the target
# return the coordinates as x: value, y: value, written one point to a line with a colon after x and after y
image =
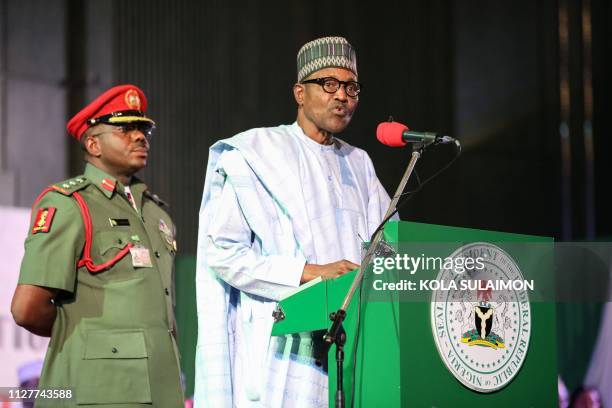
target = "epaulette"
x: 67, y: 187
x: 156, y: 199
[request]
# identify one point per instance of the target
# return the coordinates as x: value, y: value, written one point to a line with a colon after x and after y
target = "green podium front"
x: 397, y: 362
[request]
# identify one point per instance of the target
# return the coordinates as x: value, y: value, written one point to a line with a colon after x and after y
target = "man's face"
x: 124, y: 150
x: 326, y: 111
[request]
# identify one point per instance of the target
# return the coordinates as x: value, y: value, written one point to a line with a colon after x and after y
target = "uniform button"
x: 167, y: 291
x: 157, y: 254
x: 114, y: 350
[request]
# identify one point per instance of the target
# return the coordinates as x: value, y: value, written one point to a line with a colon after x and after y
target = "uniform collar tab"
x: 106, y: 183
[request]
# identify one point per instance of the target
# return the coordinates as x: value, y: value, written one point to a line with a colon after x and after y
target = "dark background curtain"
x: 485, y: 72
x: 515, y: 82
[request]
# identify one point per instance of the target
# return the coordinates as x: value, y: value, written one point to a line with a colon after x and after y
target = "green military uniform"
x: 112, y: 341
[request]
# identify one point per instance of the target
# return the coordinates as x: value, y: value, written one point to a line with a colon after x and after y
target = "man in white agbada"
x: 281, y: 206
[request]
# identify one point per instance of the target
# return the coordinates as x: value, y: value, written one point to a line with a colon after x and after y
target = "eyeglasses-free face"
x: 331, y: 85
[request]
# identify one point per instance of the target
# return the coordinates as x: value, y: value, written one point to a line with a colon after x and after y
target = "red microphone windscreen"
x: 390, y: 133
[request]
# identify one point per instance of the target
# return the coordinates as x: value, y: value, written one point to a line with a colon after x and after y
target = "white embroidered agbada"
x: 273, y: 200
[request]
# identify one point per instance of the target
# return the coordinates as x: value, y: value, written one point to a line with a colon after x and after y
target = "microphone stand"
x: 336, y: 334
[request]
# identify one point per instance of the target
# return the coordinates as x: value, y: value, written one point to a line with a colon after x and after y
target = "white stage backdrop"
x: 17, y: 346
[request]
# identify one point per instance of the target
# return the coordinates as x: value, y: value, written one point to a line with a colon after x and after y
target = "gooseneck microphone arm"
x: 336, y: 334
x: 396, y: 135
x: 416, y: 155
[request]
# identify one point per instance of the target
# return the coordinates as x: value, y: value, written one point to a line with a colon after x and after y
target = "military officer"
x: 98, y: 268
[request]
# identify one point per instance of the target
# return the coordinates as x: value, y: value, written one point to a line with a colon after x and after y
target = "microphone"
x: 395, y: 134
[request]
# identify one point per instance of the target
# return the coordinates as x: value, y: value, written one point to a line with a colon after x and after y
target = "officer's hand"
x: 327, y: 271
x: 33, y: 309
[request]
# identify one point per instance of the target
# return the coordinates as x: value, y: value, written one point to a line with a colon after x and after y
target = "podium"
x: 397, y: 362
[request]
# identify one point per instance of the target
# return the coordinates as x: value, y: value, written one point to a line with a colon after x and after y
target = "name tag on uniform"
x: 141, y: 258
x: 119, y: 222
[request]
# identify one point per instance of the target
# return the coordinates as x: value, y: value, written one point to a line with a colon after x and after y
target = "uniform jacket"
x: 112, y: 341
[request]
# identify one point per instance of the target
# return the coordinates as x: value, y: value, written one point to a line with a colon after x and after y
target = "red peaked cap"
x: 120, y: 104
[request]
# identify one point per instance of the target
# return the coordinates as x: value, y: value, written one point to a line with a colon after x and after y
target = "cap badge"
x: 132, y: 99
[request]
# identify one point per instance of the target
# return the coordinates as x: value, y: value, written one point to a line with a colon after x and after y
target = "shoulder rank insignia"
x: 69, y: 186
x: 44, y: 218
x: 156, y: 199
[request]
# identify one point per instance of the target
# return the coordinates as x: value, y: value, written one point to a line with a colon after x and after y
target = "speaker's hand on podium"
x: 327, y: 271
